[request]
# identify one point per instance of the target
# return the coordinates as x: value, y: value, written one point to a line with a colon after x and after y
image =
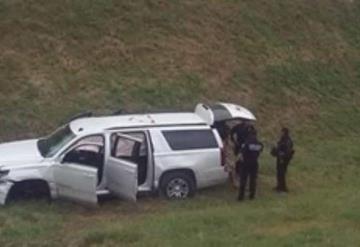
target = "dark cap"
x: 285, y: 130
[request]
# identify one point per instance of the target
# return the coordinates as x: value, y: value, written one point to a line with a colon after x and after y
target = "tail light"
x: 223, y: 157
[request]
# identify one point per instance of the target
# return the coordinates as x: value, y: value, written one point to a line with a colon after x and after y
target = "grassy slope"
x: 292, y: 62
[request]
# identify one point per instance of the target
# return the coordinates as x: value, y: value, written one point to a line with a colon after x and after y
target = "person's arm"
x: 291, y: 144
x: 290, y: 148
x: 243, y: 147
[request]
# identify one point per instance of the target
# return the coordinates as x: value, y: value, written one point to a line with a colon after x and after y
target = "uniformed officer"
x: 239, y: 134
x: 250, y: 150
x: 284, y: 152
x: 223, y: 130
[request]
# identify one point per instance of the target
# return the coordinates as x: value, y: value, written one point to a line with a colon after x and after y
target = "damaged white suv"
x: 173, y: 153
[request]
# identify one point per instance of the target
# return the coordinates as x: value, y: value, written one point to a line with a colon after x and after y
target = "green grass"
x: 321, y: 210
x: 148, y: 54
x: 294, y: 63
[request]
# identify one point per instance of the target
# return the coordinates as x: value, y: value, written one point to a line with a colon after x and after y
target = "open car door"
x: 122, y: 167
x: 223, y: 112
x: 76, y: 172
x: 76, y: 182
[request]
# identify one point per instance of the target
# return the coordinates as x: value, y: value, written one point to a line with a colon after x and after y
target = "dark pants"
x: 238, y: 166
x: 249, y: 172
x: 281, y: 169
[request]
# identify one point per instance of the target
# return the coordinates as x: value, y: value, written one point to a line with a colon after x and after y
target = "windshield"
x: 50, y: 145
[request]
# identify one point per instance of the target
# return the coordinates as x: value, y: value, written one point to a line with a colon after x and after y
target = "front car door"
x: 121, y: 167
x: 76, y: 173
x: 76, y: 182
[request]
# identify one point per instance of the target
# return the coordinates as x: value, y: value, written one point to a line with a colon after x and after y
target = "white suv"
x: 173, y: 153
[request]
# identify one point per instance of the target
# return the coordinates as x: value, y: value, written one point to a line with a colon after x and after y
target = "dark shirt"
x: 239, y: 133
x: 222, y: 129
x: 251, y: 150
x: 285, y: 147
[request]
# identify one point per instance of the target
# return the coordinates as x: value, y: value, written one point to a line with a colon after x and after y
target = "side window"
x: 144, y: 146
x: 96, y: 139
x: 190, y: 139
x: 88, y: 151
x: 125, y: 147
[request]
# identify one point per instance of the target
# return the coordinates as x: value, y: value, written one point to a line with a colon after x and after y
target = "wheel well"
x: 37, y: 185
x: 187, y: 171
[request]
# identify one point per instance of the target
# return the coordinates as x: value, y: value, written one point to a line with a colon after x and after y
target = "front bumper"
x: 5, y: 187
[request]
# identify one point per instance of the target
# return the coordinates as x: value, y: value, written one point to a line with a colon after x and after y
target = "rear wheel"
x: 177, y: 186
x: 29, y: 190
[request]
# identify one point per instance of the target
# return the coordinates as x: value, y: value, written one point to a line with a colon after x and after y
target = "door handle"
x: 88, y: 175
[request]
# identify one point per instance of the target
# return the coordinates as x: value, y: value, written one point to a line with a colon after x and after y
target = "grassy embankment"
x: 294, y: 63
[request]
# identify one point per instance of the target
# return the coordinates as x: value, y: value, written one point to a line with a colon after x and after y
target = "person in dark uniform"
x: 250, y: 150
x: 239, y: 134
x: 283, y: 152
x: 223, y: 129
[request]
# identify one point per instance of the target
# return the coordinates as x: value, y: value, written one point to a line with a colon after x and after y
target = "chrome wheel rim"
x: 177, y: 188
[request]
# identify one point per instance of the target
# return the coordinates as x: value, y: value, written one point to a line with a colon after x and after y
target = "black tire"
x: 29, y: 190
x: 185, y: 183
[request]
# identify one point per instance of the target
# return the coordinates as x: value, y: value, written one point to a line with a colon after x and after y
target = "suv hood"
x: 13, y: 153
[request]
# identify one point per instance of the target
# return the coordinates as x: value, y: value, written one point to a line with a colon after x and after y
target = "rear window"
x: 220, y: 113
x: 190, y: 139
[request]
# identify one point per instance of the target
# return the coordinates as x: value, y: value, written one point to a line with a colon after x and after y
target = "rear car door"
x: 121, y: 167
x: 196, y: 148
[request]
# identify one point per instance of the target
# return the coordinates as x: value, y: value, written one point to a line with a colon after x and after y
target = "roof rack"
x: 118, y: 112
x: 156, y: 111
x: 81, y: 115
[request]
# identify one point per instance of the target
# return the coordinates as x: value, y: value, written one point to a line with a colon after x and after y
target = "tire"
x: 177, y: 186
x: 29, y: 190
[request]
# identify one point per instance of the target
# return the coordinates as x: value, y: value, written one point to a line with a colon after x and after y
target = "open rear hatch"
x: 223, y: 112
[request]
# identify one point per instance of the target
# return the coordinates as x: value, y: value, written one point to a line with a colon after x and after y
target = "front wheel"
x: 177, y: 186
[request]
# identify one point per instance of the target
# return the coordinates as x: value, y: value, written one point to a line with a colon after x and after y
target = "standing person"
x: 223, y: 130
x: 251, y: 150
x: 238, y: 135
x: 283, y: 152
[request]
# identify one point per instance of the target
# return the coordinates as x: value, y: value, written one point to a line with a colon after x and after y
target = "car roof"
x: 99, y: 124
